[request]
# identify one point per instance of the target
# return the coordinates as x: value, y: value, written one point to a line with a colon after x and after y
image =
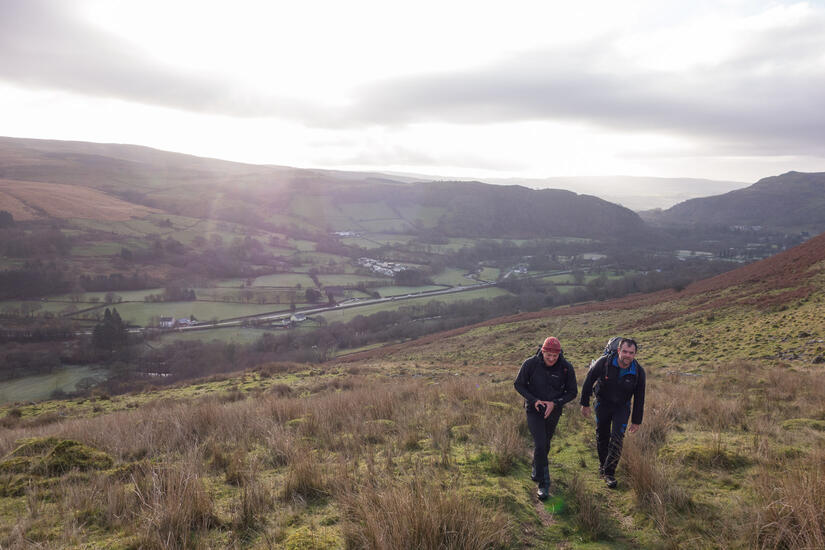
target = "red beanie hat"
x: 551, y: 344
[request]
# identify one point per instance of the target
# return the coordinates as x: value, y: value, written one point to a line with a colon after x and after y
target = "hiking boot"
x: 610, y: 481
x: 544, y: 491
x: 544, y: 484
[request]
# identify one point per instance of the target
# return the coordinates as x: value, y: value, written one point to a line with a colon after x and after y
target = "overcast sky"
x: 721, y: 89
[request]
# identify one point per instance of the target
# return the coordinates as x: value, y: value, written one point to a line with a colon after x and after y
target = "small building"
x: 297, y: 318
x: 166, y: 322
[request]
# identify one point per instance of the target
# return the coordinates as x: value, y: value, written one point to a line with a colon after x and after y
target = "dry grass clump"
x: 306, y: 478
x: 418, y: 514
x: 653, y: 485
x: 97, y: 501
x: 505, y: 443
x: 790, y: 507
x: 253, y: 504
x: 174, y: 507
x: 590, y: 516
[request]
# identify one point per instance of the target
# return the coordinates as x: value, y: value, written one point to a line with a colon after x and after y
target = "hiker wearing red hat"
x: 546, y: 381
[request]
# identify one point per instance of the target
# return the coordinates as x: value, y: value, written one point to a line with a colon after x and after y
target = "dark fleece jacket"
x: 538, y: 382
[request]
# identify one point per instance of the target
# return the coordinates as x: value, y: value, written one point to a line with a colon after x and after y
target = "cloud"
x: 771, y: 91
x: 43, y: 45
x: 763, y: 96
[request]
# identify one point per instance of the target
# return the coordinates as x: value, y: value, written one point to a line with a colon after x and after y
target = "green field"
x: 426, y: 216
x: 142, y: 313
x: 97, y: 249
x: 52, y: 307
x: 125, y: 296
x: 386, y: 291
x: 490, y: 274
x: 37, y: 388
x: 452, y: 277
x: 367, y: 211
x: 284, y: 280
x: 361, y: 242
x: 394, y: 225
x: 238, y: 335
x: 302, y: 246
x: 345, y: 315
x: 320, y: 258
x: 348, y: 280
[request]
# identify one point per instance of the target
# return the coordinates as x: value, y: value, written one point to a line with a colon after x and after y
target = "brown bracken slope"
x: 28, y: 200
x: 782, y: 278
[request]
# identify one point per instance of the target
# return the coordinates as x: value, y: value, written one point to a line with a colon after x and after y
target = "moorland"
x: 123, y: 267
x: 422, y: 444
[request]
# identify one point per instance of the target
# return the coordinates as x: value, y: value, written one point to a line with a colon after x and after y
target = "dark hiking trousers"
x: 611, y: 423
x: 542, y: 431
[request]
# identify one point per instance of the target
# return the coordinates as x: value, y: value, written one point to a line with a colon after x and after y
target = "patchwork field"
x: 32, y: 200
x: 423, y: 444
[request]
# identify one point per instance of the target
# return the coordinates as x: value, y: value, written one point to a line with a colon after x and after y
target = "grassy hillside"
x: 792, y: 202
x: 424, y: 444
x: 318, y: 201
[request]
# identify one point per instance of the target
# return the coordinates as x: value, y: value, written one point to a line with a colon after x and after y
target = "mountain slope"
x: 426, y: 441
x: 791, y: 201
x: 637, y: 193
x: 329, y: 200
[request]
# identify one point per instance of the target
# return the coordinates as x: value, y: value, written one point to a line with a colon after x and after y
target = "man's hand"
x: 585, y: 411
x: 548, y: 407
x: 633, y: 428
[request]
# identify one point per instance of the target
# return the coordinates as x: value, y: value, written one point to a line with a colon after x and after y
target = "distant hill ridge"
x: 255, y: 193
x: 792, y: 201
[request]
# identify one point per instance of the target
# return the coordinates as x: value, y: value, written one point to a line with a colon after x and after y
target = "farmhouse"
x: 166, y: 322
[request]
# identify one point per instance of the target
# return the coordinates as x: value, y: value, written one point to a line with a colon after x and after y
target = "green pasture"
x: 426, y: 216
x: 452, y: 277
x: 237, y: 335
x: 177, y: 221
x: 490, y: 274
x: 348, y: 279
x: 391, y: 238
x: 10, y: 306
x: 284, y: 220
x: 302, y: 246
x: 349, y: 294
x: 88, y: 297
x: 142, y: 313
x: 230, y: 283
x: 394, y: 225
x: 347, y: 314
x: 276, y: 298
x: 320, y: 258
x: 361, y: 242
x: 118, y: 228
x: 565, y: 278
x: 105, y: 248
x: 364, y: 211
x: 387, y: 291
x: 317, y: 208
x: 284, y: 280
x: 40, y: 387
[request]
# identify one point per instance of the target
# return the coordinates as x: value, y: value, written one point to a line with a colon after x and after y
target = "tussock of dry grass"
x: 790, y: 509
x: 590, y: 514
x: 417, y: 514
x: 173, y: 505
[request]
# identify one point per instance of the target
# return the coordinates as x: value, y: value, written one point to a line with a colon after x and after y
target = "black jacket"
x: 619, y: 386
x: 538, y: 382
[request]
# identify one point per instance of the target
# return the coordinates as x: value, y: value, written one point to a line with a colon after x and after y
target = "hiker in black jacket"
x: 618, y: 379
x: 547, y: 382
